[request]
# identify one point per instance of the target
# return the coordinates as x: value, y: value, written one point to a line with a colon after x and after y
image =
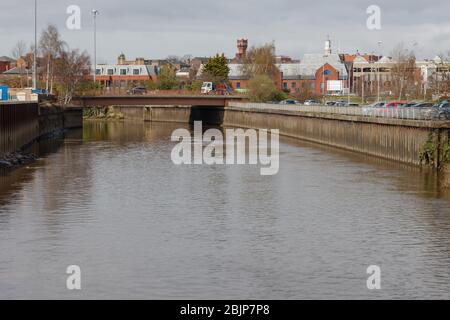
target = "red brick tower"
x: 242, y: 45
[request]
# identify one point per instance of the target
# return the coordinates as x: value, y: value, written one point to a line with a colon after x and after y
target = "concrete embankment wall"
x: 19, y: 125
x: 56, y: 119
x: 23, y: 123
x: 417, y: 142
x: 394, y: 139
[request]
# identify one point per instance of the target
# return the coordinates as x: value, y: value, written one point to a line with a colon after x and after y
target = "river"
x: 109, y: 200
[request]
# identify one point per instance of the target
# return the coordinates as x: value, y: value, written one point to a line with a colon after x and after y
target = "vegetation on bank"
x: 105, y: 113
x: 434, y: 152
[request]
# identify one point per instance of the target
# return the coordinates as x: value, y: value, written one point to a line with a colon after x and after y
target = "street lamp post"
x: 378, y: 70
x: 35, y: 47
x: 95, y: 14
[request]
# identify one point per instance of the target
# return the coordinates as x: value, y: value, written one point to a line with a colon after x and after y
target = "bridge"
x: 149, y: 100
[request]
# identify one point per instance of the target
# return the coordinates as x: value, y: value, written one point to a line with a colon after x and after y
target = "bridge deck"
x: 194, y: 100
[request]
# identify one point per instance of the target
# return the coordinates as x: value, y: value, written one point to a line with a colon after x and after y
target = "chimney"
x: 328, y: 46
x: 242, y: 45
x: 121, y: 59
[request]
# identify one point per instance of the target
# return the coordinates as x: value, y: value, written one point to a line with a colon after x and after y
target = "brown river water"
x: 109, y: 199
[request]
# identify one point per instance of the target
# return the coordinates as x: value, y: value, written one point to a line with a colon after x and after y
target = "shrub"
x: 261, y: 88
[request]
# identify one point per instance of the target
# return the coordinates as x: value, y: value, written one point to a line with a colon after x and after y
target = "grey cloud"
x: 158, y: 28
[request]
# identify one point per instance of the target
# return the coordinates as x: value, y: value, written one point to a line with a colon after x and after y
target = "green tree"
x: 216, y: 69
x: 167, y: 79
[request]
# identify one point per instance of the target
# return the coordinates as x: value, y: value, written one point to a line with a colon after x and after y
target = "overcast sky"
x: 158, y: 28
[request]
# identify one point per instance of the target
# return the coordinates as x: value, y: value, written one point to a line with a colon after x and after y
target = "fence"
x: 392, y: 112
x: 19, y: 125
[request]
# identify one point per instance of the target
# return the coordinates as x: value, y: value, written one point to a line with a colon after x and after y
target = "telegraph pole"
x: 35, y: 47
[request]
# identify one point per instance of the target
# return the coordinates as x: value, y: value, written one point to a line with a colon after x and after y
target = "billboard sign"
x: 335, y: 85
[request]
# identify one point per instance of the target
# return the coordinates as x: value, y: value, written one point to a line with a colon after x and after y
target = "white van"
x: 207, y: 87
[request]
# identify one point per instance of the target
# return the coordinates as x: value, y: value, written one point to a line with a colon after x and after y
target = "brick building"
x: 6, y: 63
x: 314, y: 72
x: 125, y: 73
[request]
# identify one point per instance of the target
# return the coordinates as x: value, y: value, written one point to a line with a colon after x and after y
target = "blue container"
x: 40, y: 91
x: 3, y: 93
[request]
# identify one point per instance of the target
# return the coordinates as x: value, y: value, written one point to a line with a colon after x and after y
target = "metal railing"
x: 388, y: 112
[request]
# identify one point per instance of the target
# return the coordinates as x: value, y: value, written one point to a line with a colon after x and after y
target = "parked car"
x: 422, y: 105
x: 379, y: 104
x: 289, y: 101
x: 341, y: 103
x: 311, y: 103
x: 442, y: 111
x: 331, y: 103
x: 137, y: 91
x: 372, y: 109
x: 409, y: 104
x: 395, y: 104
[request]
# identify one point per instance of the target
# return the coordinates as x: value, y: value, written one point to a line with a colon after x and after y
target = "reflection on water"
x: 140, y: 227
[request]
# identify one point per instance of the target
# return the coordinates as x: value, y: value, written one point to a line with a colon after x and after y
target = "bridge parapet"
x: 194, y: 100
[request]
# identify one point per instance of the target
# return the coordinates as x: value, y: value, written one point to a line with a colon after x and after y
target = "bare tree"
x: 51, y: 45
x: 403, y: 70
x: 71, y: 68
x: 19, y: 50
x: 260, y: 61
x: 442, y: 74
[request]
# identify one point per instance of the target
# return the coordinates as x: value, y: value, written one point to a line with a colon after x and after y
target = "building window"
x: 136, y: 72
x: 327, y: 72
x: 123, y: 72
x: 293, y: 85
x: 98, y: 71
x: 285, y: 85
x: 238, y: 85
x: 110, y: 72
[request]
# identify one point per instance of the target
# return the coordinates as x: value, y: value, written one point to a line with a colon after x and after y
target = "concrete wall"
x: 395, y: 140
x: 162, y: 113
x: 19, y: 125
x: 23, y: 123
x: 56, y: 119
x: 181, y: 114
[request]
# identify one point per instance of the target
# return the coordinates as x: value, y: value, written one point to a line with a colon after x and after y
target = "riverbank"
x: 16, y: 159
x: 25, y: 123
